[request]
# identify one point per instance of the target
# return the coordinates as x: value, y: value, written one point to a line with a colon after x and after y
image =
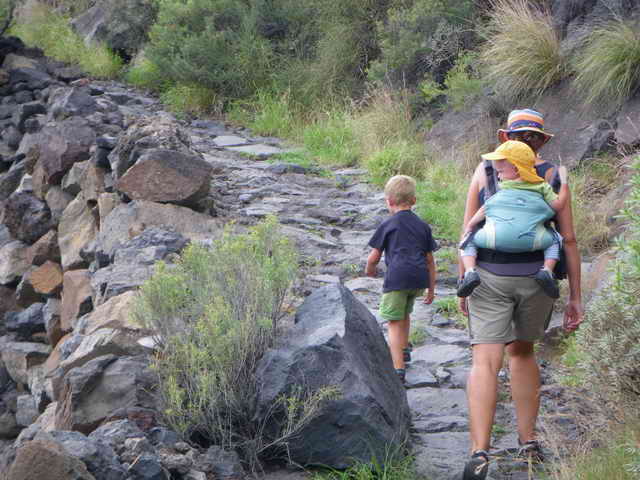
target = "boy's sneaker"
x: 401, y: 374
x: 406, y: 354
x: 468, y: 283
x: 531, y: 450
x: 548, y: 283
x: 477, y: 467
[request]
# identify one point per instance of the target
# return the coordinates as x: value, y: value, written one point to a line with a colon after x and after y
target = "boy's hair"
x: 400, y: 189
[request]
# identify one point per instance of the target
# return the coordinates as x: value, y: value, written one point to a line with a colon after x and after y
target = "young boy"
x: 408, y: 253
x: 515, y: 220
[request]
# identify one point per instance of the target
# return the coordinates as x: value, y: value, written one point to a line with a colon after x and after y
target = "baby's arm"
x: 563, y: 195
x: 431, y: 267
x: 476, y: 219
x: 372, y: 262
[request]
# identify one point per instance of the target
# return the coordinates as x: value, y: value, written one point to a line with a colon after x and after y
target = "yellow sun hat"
x: 520, y: 155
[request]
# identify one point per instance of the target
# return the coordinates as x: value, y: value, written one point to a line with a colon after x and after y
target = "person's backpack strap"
x: 492, y: 181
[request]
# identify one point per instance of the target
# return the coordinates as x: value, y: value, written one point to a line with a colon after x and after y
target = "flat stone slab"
x: 257, y: 150
x: 437, y: 402
x: 437, y: 355
x: 441, y: 455
x: 365, y: 284
x: 450, y: 336
x: 418, y: 376
x: 450, y: 423
x: 230, y: 141
x: 324, y: 278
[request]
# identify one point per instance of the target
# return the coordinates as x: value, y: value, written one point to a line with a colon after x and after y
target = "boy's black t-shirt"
x: 405, y: 240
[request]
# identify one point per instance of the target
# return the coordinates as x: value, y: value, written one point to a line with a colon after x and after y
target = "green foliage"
x: 330, y: 140
x: 144, y: 73
x: 608, y: 65
x: 570, y: 373
x: 441, y: 196
x: 521, y: 53
x: 617, y: 457
x: 214, y: 44
x: 446, y: 305
x: 7, y: 8
x: 191, y: 99
x: 266, y: 113
x: 418, y: 335
x: 395, y: 467
x: 51, y: 32
x: 418, y: 37
x: 609, y: 338
x: 215, y: 313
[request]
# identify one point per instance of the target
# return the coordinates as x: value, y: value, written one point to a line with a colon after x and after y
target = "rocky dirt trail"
x: 332, y: 216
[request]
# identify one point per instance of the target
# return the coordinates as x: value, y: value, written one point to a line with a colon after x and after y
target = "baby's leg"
x: 545, y: 277
x: 471, y: 278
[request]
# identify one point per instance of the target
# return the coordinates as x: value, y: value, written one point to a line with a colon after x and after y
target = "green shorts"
x: 396, y: 305
x: 504, y: 309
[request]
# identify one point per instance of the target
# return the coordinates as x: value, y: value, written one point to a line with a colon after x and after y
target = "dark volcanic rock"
x: 337, y: 342
x: 27, y: 217
x: 167, y: 176
x: 68, y: 102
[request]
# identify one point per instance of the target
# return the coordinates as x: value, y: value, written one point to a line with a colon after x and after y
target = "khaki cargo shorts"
x: 504, y: 309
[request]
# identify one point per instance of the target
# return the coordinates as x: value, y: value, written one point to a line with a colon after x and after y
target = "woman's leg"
x: 482, y: 392
x: 525, y: 387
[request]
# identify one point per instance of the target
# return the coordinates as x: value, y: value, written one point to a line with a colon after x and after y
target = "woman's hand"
x: 462, y: 305
x: 572, y: 315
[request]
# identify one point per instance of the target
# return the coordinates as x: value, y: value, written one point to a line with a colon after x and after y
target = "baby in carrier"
x: 515, y: 217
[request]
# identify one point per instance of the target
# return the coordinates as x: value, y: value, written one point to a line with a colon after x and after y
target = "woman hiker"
x: 509, y: 311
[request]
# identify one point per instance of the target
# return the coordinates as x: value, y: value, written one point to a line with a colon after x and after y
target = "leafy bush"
x: 192, y: 99
x: 211, y: 43
x: 267, y: 113
x: 7, y: 8
x: 215, y: 313
x: 521, y: 53
x: 146, y: 74
x: 420, y: 37
x: 608, y: 66
x: 51, y: 32
x: 610, y: 336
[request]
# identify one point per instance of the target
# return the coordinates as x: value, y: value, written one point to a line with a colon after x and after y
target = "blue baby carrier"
x: 515, y: 222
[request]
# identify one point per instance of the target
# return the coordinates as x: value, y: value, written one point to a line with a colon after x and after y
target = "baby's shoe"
x: 548, y: 282
x: 468, y: 283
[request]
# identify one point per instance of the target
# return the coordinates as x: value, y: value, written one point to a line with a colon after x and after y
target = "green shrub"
x: 191, y: 99
x: 330, y: 140
x: 214, y: 44
x: 267, y: 113
x: 463, y: 82
x: 144, y: 73
x: 521, y: 53
x: 610, y: 335
x: 51, y: 32
x: 608, y: 66
x: 7, y: 8
x: 215, y: 313
x: 419, y: 37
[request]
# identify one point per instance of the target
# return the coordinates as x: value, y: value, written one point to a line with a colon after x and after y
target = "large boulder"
x: 628, y: 130
x: 41, y: 459
x: 337, y: 342
x: 76, y: 297
x: 100, y: 459
x: 167, y: 176
x: 122, y: 25
x: 27, y: 322
x: 13, y: 262
x: 160, y: 131
x: 127, y: 221
x: 100, y: 388
x: 61, y: 145
x: 115, y: 313
x: 69, y: 102
x: 78, y: 227
x: 20, y: 358
x: 27, y: 217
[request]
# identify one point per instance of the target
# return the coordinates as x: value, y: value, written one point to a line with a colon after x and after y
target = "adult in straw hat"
x: 509, y: 311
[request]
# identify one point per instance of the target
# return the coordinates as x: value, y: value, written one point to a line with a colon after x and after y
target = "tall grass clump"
x: 268, y: 113
x: 215, y: 314
x: 191, y: 99
x: 607, y: 67
x: 395, y: 466
x: 610, y: 334
x: 521, y: 54
x: 42, y: 27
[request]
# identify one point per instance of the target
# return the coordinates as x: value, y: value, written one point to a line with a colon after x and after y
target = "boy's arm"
x: 372, y: 262
x: 563, y: 195
x: 431, y: 268
x: 476, y: 219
